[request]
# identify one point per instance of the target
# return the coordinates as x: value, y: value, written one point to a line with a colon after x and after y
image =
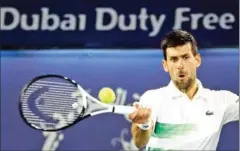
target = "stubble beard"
x: 184, y: 86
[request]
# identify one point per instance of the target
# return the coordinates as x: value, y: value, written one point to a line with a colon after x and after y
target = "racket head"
x: 48, y: 106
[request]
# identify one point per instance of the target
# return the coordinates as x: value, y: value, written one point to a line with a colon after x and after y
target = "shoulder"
x: 223, y: 96
x: 218, y: 92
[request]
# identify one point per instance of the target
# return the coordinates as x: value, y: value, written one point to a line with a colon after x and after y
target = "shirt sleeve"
x: 231, y: 103
x: 147, y: 99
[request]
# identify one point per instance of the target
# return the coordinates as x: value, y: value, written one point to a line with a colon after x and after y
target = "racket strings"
x: 53, y: 99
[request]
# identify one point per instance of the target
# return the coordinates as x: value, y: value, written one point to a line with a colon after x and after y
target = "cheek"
x: 192, y: 69
x: 171, y: 70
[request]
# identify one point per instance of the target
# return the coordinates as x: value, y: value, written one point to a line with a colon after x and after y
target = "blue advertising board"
x: 129, y: 73
x: 122, y: 23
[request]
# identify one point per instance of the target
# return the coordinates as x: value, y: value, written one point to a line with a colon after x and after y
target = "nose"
x: 180, y: 64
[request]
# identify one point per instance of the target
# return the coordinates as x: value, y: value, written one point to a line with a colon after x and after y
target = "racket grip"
x: 121, y: 109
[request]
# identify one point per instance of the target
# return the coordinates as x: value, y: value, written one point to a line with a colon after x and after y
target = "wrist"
x: 146, y: 125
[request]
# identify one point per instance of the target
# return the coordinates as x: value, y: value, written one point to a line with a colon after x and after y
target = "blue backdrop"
x: 130, y: 73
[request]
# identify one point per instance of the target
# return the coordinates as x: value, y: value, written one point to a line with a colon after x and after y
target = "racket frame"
x: 117, y: 109
x: 26, y: 86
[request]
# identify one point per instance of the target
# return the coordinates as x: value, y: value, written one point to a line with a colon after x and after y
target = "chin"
x: 182, y: 84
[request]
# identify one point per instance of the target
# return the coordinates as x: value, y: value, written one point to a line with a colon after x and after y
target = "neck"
x: 191, y: 91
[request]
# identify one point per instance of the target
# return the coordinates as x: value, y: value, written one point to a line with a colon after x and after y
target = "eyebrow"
x: 180, y: 55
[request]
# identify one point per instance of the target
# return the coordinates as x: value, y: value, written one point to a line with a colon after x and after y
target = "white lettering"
x: 209, y: 19
x: 225, y: 19
x: 195, y: 19
x: 33, y: 26
x: 100, y: 17
x: 132, y: 23
x: 82, y: 22
x: 156, y: 24
x: 15, y: 15
x: 69, y: 23
x: 143, y: 18
x: 179, y: 18
x: 108, y: 19
x: 46, y: 17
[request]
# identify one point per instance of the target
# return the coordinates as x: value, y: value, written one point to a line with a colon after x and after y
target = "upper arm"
x: 231, y: 106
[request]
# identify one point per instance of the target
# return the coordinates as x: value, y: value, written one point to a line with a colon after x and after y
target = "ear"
x: 198, y: 60
x: 164, y: 63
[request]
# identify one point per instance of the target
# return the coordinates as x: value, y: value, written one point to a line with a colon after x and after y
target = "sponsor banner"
x: 122, y: 23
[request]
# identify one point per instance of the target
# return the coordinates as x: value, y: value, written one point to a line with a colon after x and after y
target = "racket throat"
x: 121, y: 109
x: 113, y: 109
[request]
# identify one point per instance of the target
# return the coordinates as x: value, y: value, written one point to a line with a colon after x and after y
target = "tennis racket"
x: 55, y: 102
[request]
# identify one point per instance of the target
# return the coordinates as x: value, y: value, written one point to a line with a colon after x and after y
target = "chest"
x: 203, y: 113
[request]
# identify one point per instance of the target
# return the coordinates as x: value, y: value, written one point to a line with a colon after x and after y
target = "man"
x: 182, y: 115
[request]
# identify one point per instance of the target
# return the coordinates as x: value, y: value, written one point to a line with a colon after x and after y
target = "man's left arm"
x: 231, y: 113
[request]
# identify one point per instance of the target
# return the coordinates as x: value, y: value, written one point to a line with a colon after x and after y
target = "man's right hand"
x: 141, y: 115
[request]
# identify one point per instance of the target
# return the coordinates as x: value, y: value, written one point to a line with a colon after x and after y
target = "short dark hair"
x: 178, y: 38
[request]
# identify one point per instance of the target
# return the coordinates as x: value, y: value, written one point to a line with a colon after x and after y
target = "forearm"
x: 141, y: 137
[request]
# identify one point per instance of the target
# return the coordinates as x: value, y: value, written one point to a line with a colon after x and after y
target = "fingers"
x: 133, y: 115
x: 141, y: 115
x: 136, y: 105
x: 146, y: 113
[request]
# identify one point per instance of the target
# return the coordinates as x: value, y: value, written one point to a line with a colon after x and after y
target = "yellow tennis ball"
x: 107, y: 95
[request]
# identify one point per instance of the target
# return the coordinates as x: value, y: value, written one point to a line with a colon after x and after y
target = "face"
x: 182, y: 65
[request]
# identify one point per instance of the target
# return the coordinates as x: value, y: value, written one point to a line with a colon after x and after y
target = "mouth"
x: 181, y: 76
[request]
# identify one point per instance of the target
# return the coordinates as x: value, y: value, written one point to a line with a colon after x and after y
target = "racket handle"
x: 121, y: 109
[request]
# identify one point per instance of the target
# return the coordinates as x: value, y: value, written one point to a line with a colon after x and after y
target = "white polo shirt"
x: 183, y: 124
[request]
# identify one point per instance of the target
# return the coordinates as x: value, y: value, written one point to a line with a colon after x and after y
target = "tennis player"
x: 182, y: 115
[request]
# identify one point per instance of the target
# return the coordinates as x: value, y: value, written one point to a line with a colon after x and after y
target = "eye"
x: 174, y: 59
x: 185, y: 57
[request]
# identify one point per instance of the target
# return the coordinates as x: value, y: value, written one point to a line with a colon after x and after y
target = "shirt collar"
x: 176, y: 93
